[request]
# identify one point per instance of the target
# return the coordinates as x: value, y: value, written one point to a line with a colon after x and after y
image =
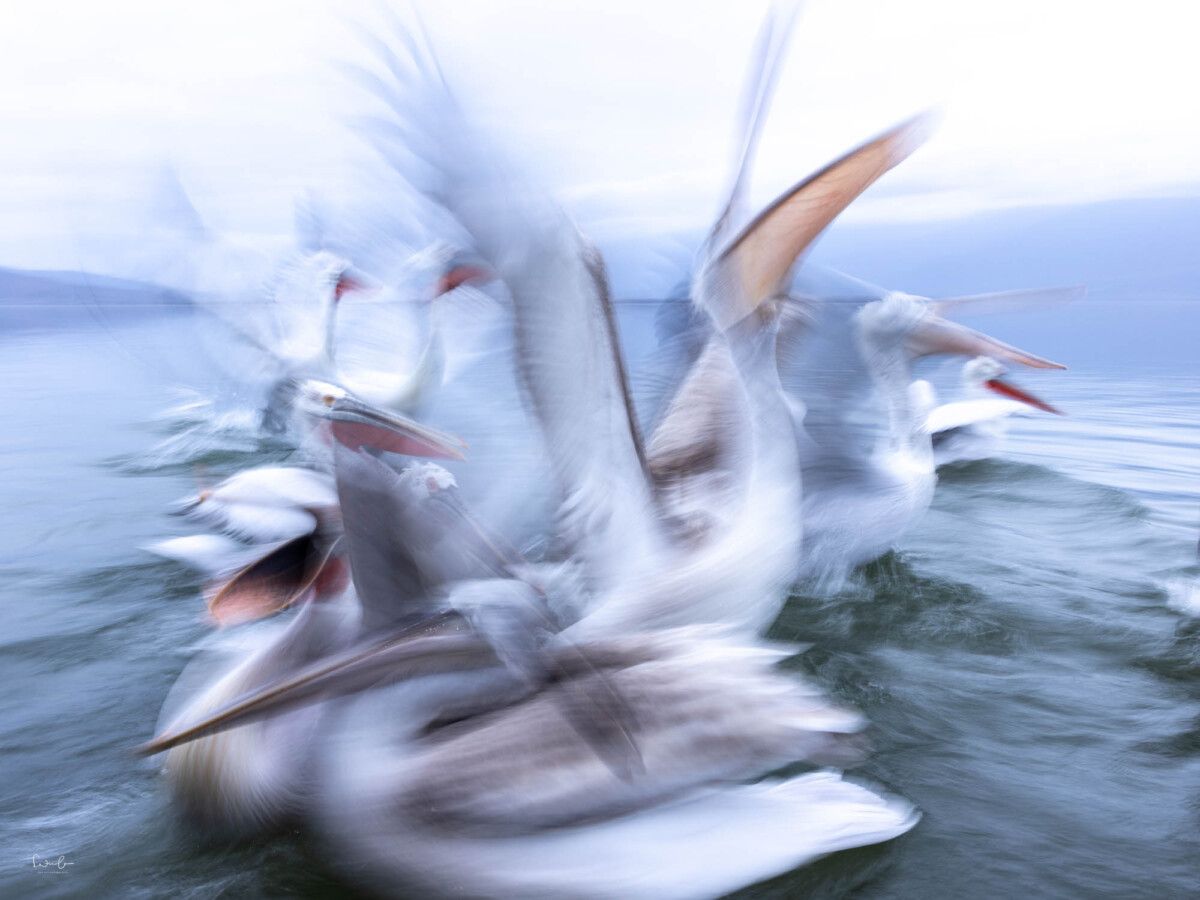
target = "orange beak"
x: 1015, y: 393
x: 460, y: 275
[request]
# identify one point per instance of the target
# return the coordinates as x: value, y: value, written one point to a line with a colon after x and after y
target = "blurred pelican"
x: 866, y: 485
x: 491, y: 770
x: 478, y: 764
x: 289, y: 306
x: 422, y: 793
x: 971, y: 428
x: 283, y: 304
x: 594, y: 760
x: 647, y: 560
x: 412, y: 390
x: 256, y: 776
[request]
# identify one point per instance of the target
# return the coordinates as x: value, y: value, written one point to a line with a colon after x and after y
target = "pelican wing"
x: 964, y: 413
x: 707, y: 844
x: 705, y: 407
x: 277, y: 486
x: 762, y: 75
x: 208, y: 554
x: 703, y: 711
x: 260, y: 523
x: 571, y: 366
x: 407, y: 534
x: 568, y: 354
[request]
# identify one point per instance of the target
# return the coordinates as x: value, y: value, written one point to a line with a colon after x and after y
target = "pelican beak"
x: 357, y: 424
x: 352, y: 281
x: 429, y: 649
x: 464, y: 273
x: 281, y: 577
x: 937, y: 335
x: 1004, y: 389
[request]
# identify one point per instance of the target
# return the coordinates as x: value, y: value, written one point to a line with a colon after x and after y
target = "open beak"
x: 276, y: 580
x: 429, y: 649
x: 357, y: 424
x: 1004, y: 389
x: 937, y: 335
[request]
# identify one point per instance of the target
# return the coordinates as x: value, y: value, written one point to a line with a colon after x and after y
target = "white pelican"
x: 288, y: 308
x: 971, y: 428
x: 477, y: 777
x: 366, y: 354
x: 255, y: 776
x: 514, y: 800
x: 867, y: 486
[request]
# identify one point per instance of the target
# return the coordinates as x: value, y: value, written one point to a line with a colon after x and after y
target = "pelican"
x: 411, y: 392
x: 649, y: 561
x: 476, y: 764
x: 867, y: 485
x: 515, y: 801
x: 256, y: 776
x: 585, y: 760
x: 283, y: 306
x: 971, y: 428
x: 288, y: 309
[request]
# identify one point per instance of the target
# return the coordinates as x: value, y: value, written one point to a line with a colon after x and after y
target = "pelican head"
x: 913, y: 323
x: 331, y: 276
x: 985, y: 372
x: 449, y: 267
x: 981, y: 369
x: 356, y: 423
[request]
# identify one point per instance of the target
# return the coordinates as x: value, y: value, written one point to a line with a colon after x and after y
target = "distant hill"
x: 33, y: 299
x: 1139, y: 258
x: 1122, y: 249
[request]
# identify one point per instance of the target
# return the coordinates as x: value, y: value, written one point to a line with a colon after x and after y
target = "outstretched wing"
x: 568, y: 355
x: 766, y: 61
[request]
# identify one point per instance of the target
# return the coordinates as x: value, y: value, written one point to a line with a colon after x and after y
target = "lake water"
x: 1031, y: 683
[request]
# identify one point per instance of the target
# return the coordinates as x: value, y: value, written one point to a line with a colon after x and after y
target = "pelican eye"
x: 328, y: 399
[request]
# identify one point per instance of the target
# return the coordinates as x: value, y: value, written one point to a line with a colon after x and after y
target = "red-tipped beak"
x: 1015, y: 393
x: 348, y: 284
x: 460, y: 275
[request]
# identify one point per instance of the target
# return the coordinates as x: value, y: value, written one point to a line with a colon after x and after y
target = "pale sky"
x: 625, y: 108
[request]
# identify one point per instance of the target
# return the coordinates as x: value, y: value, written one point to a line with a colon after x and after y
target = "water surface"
x: 1030, y: 686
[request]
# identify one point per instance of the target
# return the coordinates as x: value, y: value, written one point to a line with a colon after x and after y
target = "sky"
x: 624, y: 109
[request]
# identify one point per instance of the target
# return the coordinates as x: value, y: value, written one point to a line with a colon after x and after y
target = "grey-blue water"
x: 1031, y: 688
